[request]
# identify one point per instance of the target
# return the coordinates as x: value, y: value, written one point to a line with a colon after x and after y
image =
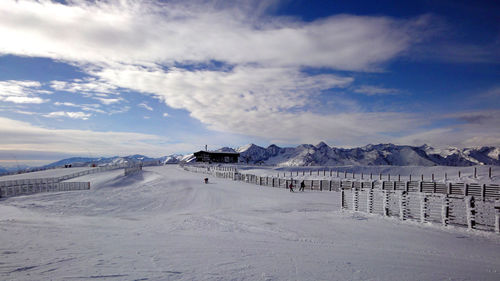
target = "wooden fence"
x: 476, y: 206
x: 132, y: 170
x: 456, y: 210
x: 30, y: 186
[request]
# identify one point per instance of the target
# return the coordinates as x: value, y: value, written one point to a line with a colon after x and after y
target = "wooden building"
x: 216, y: 157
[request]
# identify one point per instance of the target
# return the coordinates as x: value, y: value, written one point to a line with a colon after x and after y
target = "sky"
x: 105, y: 78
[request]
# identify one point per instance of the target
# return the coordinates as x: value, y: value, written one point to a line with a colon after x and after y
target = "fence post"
x: 489, y: 172
x: 445, y: 210
x: 402, y: 205
x: 369, y: 200
x: 497, y: 216
x: 320, y: 185
x: 342, y: 198
x: 385, y: 203
x: 483, y: 191
x: 355, y: 197
x: 471, y: 212
x: 423, y: 207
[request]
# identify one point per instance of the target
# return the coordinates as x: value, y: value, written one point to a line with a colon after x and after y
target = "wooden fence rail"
x: 444, y: 209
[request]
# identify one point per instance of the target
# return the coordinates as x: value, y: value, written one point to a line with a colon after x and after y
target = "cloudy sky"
x: 102, y: 78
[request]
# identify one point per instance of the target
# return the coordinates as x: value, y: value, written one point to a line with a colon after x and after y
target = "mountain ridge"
x: 371, y: 154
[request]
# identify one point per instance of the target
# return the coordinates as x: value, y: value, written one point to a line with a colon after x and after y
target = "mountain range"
x: 380, y: 154
x: 317, y: 155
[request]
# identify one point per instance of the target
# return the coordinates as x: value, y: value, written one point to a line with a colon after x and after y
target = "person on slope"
x: 302, y: 186
x: 291, y: 186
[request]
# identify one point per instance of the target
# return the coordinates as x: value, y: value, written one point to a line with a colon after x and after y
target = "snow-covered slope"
x: 380, y: 154
x: 166, y: 224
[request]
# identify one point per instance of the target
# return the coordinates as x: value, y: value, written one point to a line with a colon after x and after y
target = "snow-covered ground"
x: 165, y: 224
x: 51, y: 173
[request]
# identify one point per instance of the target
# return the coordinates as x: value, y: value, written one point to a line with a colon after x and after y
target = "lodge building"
x: 216, y: 157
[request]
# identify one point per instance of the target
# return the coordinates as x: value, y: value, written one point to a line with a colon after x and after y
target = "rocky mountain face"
x: 380, y: 154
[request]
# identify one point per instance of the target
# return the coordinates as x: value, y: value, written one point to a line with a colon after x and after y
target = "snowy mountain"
x: 380, y: 154
x: 116, y: 160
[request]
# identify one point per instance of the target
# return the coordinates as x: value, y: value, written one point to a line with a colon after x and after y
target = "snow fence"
x: 26, y: 187
x: 445, y: 209
x: 30, y: 186
x: 471, y: 205
x: 133, y: 170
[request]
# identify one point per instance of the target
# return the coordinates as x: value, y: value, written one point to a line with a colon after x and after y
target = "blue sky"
x: 102, y: 78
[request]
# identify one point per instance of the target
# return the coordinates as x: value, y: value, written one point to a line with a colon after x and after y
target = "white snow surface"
x: 51, y: 173
x: 166, y: 224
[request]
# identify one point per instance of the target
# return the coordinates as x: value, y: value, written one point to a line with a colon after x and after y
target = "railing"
x: 29, y: 186
x: 444, y: 209
x: 476, y: 206
x: 27, y: 189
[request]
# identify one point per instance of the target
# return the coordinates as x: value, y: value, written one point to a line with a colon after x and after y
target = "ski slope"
x: 166, y: 224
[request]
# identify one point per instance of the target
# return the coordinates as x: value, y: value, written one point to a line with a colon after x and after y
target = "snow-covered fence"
x: 132, y: 170
x: 25, y: 187
x: 29, y: 186
x: 216, y: 171
x: 458, y: 210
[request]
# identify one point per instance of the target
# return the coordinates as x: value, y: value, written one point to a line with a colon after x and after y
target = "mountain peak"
x: 321, y: 144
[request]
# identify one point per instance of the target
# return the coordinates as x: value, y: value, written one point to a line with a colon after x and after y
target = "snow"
x: 380, y: 154
x: 166, y: 224
x: 51, y: 173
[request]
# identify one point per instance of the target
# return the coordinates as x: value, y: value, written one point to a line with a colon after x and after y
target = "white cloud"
x: 22, y: 138
x: 87, y: 85
x: 374, y: 90
x: 146, y: 32
x: 262, y: 102
x: 21, y: 92
x: 475, y: 128
x: 165, y: 114
x: 108, y: 101
x: 261, y: 90
x: 72, y: 115
x: 65, y: 104
x: 145, y: 106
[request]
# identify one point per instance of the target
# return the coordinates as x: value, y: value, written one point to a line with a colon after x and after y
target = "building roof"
x: 217, y: 152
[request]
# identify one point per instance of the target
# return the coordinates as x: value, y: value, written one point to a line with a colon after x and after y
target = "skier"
x: 291, y: 186
x: 206, y: 180
x: 302, y: 186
